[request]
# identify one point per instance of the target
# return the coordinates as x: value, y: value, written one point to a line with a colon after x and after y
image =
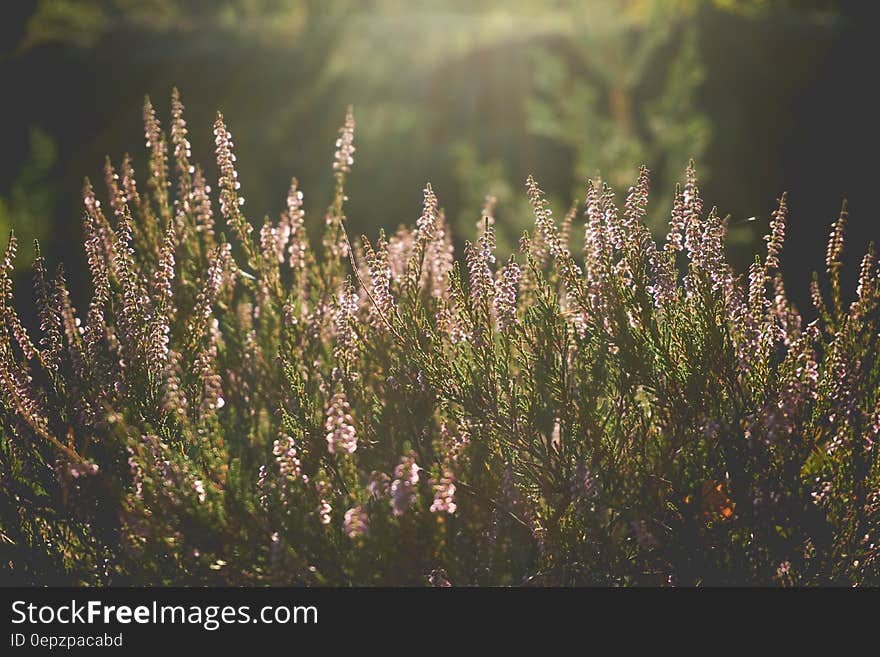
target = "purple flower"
x: 403, y: 492
x: 444, y: 494
x: 341, y: 434
x: 356, y: 522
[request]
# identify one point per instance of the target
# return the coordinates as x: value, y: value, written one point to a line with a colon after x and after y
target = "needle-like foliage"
x: 270, y: 407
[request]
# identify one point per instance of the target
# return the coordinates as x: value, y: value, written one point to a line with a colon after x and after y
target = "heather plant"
x: 262, y: 406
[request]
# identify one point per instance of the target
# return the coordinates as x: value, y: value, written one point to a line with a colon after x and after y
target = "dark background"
x: 473, y: 96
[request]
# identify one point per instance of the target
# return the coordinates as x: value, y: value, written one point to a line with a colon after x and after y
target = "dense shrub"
x: 261, y: 410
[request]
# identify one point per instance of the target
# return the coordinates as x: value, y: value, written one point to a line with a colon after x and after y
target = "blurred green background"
x: 767, y: 96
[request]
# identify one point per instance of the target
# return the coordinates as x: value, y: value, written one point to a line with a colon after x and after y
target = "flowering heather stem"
x: 246, y: 415
x: 228, y: 184
x: 155, y: 141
